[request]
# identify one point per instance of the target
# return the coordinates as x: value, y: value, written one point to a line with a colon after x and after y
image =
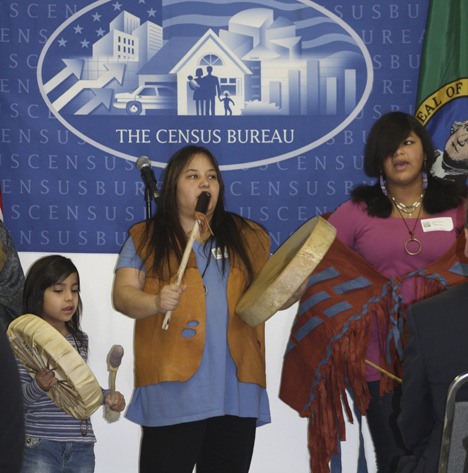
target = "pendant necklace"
x: 205, y: 287
x: 412, y: 239
x: 208, y: 259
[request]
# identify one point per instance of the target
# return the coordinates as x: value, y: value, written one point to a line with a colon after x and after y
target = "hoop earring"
x: 382, y: 185
x: 424, y: 180
x: 424, y: 173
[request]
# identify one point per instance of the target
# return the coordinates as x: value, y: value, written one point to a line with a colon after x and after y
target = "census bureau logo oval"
x: 256, y: 84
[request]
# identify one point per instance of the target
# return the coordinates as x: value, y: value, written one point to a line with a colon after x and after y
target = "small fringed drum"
x: 38, y: 345
x: 286, y: 271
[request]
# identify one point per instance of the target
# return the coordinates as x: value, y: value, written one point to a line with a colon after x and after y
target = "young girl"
x: 56, y: 441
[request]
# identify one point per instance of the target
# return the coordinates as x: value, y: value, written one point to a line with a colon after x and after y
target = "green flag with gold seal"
x: 442, y: 104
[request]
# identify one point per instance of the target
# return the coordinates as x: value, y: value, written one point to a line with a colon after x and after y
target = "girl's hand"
x: 116, y: 402
x: 46, y: 379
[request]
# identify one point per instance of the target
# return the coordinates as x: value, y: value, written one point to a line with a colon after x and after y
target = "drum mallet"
x: 114, y: 359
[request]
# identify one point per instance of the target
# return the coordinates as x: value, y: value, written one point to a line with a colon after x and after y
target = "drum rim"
x: 255, y: 309
x: 80, y: 382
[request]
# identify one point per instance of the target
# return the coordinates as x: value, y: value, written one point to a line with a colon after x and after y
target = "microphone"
x: 202, y: 202
x: 143, y: 164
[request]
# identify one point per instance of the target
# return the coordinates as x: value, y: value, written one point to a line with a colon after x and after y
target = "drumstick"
x: 383, y: 371
x: 114, y: 358
x: 113, y: 362
x: 200, y: 209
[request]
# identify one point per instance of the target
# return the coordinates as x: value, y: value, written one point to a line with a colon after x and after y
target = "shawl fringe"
x: 326, y: 352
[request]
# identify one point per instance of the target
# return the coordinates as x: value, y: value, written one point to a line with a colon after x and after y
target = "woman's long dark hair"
x: 385, y: 137
x: 164, y: 234
x: 46, y: 272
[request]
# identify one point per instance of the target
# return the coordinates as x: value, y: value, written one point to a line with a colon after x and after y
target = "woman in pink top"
x: 404, y: 222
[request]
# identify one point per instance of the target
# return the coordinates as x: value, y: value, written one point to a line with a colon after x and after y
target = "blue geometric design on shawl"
x: 358, y: 283
x: 314, y: 322
x: 313, y: 301
x: 310, y: 325
x: 337, y: 309
x: 459, y: 268
x: 396, y: 313
x: 335, y: 460
x: 324, y: 275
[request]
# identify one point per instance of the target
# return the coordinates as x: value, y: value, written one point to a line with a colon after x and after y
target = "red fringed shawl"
x: 328, y: 342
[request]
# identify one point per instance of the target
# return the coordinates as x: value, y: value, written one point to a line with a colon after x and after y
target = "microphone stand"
x: 148, y: 201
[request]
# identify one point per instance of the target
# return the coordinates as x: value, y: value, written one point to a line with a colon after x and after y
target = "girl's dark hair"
x: 46, y: 272
x: 385, y: 137
x: 164, y: 234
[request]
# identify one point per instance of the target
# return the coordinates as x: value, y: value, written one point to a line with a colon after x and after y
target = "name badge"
x: 218, y: 254
x: 439, y: 224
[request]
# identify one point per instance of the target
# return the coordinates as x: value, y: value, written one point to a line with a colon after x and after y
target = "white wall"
x: 280, y: 447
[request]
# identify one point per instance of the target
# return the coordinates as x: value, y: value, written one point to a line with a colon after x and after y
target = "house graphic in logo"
x: 258, y: 65
x: 284, y: 79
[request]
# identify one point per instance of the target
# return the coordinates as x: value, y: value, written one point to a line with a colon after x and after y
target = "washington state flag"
x: 442, y: 104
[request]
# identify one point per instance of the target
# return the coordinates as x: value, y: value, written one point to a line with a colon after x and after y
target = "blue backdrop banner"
x: 282, y: 92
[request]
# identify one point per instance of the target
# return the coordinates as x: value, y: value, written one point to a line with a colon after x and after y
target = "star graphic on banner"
x: 62, y: 42
x: 152, y: 12
x: 141, y: 1
x: 117, y: 6
x: 97, y: 17
x: 78, y: 29
x: 84, y: 43
x: 100, y: 32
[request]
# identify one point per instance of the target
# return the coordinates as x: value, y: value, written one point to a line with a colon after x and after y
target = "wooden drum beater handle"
x: 200, y: 211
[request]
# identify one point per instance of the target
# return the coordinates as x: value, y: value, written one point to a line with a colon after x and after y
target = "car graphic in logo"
x: 292, y: 86
x: 147, y: 97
